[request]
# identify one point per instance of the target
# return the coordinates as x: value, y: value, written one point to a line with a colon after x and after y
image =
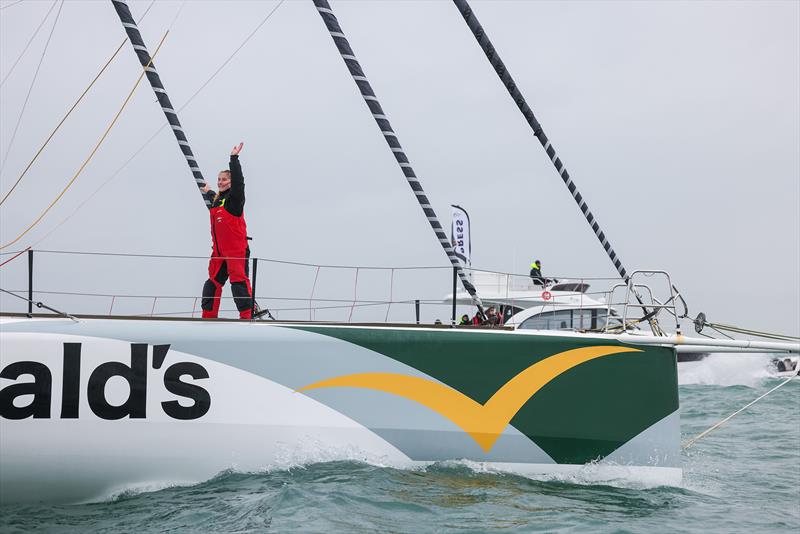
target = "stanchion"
x: 455, y: 287
x: 30, y: 283
x: 253, y: 300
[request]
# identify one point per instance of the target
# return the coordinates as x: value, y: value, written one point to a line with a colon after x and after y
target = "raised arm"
x: 235, y: 203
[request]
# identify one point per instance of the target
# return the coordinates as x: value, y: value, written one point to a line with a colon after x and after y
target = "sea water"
x: 744, y: 477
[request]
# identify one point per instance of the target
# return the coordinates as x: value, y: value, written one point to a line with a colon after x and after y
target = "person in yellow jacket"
x: 536, y: 273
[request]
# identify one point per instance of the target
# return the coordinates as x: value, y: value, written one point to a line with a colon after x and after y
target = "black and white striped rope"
x: 139, y: 47
x: 378, y: 114
x: 516, y: 95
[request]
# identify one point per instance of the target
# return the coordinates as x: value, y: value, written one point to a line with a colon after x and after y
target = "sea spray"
x: 726, y: 370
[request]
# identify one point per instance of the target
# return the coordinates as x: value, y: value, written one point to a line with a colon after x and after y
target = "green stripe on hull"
x: 582, y: 415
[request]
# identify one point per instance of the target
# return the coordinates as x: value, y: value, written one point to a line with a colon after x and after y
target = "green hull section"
x: 582, y: 415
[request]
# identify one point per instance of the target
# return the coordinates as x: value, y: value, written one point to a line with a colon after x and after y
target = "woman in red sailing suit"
x: 229, y: 242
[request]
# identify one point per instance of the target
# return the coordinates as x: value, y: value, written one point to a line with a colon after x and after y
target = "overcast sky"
x: 678, y: 121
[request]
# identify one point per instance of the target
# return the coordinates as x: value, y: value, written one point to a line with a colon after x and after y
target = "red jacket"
x: 229, y: 232
x: 228, y: 227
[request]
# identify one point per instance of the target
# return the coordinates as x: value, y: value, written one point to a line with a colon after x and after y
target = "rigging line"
x: 91, y: 155
x: 40, y: 305
x: 163, y: 99
x: 146, y: 11
x: 741, y: 330
x: 28, y: 44
x: 505, y: 77
x: 17, y: 255
x: 80, y: 98
x: 364, y: 87
x: 519, y: 100
x: 30, y: 89
x: 224, y: 63
x: 691, y: 441
x: 721, y: 330
x: 49, y: 137
x: 9, y: 5
x: 160, y: 129
x: 177, y: 14
x: 139, y: 47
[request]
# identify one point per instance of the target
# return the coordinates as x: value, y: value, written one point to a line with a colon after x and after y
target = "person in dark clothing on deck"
x: 536, y: 273
x: 229, y: 242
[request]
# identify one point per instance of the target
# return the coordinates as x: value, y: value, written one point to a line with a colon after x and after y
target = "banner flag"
x: 460, y: 235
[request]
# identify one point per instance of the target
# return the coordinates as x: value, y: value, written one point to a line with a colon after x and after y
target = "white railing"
x: 169, y: 286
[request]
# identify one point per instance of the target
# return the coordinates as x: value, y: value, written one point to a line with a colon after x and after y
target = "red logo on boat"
x: 546, y: 295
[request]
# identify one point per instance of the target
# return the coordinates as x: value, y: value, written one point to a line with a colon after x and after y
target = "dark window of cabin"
x: 553, y: 320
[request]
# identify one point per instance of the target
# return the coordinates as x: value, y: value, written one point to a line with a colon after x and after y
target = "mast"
x: 516, y: 95
x: 343, y: 46
x: 139, y: 47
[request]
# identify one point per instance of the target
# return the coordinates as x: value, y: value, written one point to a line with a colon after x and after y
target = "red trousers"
x: 219, y: 270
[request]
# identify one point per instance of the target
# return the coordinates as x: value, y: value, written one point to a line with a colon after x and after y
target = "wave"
x: 726, y: 370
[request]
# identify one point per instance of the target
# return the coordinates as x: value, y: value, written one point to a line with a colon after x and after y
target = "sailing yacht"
x: 93, y: 405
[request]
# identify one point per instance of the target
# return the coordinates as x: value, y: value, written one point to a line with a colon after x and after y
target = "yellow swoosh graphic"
x: 483, y: 422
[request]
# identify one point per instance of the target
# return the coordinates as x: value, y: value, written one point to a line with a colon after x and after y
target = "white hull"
x: 148, y: 404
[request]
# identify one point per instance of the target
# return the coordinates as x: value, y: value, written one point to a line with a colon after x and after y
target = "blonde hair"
x: 223, y: 171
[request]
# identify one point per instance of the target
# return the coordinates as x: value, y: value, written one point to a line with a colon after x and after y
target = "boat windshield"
x: 585, y: 319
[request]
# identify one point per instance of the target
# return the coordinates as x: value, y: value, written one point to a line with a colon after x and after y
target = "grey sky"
x: 678, y: 121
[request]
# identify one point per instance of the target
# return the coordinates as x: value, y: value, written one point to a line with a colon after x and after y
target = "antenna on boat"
x: 516, y: 95
x: 353, y: 66
x: 139, y: 47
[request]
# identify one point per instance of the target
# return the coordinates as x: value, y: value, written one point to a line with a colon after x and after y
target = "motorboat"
x: 568, y: 305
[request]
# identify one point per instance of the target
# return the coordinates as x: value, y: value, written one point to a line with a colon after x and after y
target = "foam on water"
x: 601, y: 473
x: 306, y: 453
x: 744, y: 477
x: 726, y: 370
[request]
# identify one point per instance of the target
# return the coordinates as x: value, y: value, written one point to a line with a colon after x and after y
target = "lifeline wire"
x: 91, y: 155
x: 30, y: 89
x: 158, y: 131
x: 691, y: 442
x: 28, y: 44
x: 353, y: 66
x: 283, y: 262
x: 139, y: 47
